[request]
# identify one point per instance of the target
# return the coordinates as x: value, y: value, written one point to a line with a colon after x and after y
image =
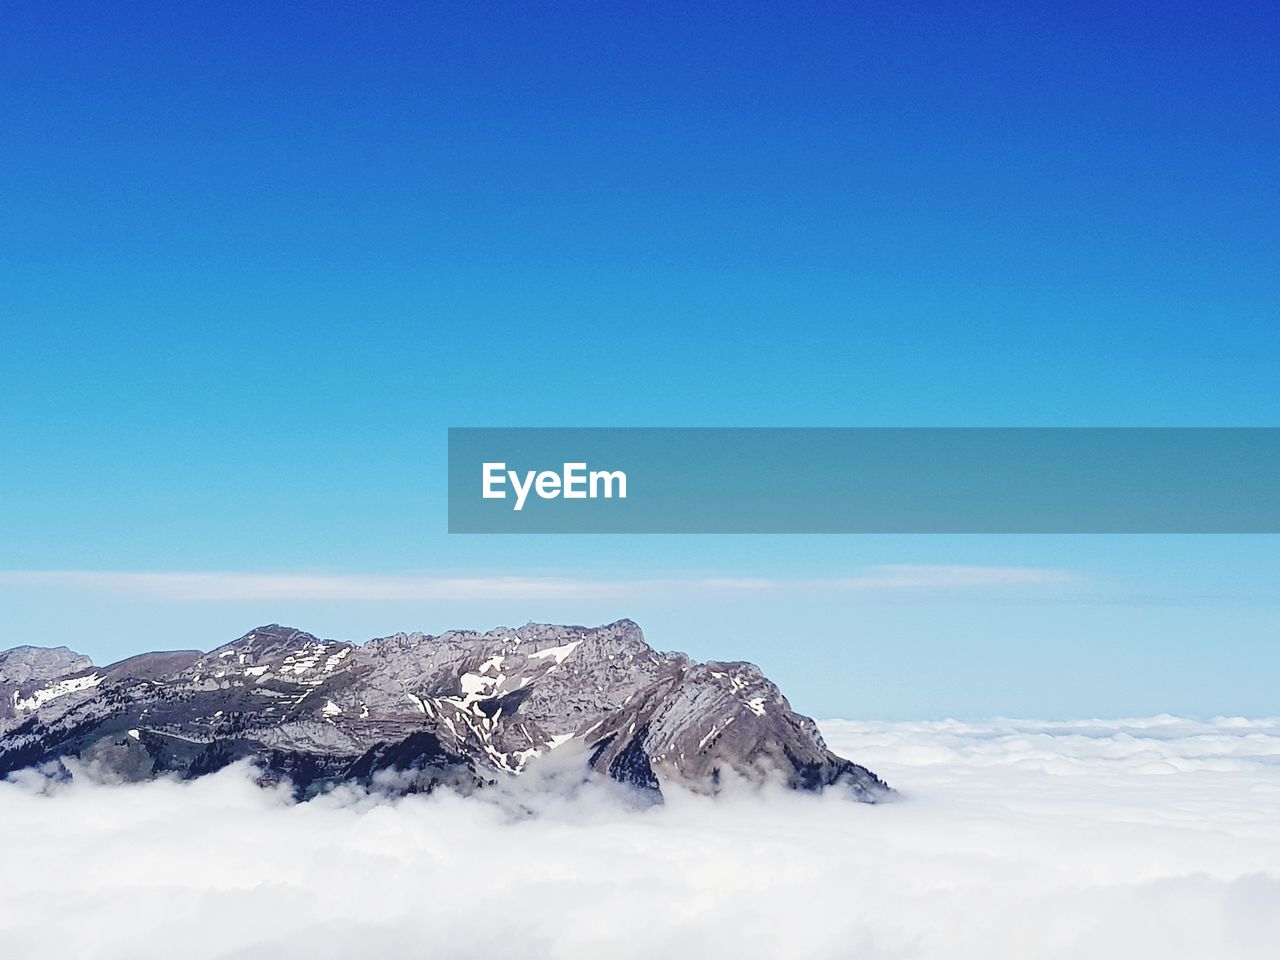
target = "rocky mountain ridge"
x: 411, y: 712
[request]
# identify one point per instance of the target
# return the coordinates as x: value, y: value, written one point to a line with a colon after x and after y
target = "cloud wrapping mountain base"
x: 1011, y: 839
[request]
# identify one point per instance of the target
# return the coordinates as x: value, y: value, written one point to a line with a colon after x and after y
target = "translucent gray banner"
x: 864, y: 480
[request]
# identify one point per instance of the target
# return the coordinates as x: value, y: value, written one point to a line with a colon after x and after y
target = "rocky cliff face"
x: 411, y: 712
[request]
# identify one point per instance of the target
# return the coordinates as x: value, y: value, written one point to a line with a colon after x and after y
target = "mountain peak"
x: 27, y: 662
x: 463, y: 708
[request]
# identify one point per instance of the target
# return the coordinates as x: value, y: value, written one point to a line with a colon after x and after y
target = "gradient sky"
x: 254, y: 262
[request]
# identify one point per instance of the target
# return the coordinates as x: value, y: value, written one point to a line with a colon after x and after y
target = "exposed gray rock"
x: 21, y: 664
x: 412, y: 712
x: 26, y: 671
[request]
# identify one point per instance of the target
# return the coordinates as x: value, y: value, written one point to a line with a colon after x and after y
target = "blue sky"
x: 254, y: 263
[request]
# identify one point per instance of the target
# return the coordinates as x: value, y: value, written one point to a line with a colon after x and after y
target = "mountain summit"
x: 411, y: 712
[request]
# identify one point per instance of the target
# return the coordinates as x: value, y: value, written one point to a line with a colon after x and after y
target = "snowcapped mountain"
x: 411, y: 712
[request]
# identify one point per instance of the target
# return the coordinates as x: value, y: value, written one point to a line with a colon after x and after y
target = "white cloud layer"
x: 1013, y: 840
x: 240, y: 585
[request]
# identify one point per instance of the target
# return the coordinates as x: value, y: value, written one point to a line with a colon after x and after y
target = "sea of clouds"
x: 1010, y: 840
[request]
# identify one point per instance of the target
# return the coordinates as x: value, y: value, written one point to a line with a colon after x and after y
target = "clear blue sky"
x: 253, y: 262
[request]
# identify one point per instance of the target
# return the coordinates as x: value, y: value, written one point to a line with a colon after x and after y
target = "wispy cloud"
x: 906, y: 576
x: 241, y: 585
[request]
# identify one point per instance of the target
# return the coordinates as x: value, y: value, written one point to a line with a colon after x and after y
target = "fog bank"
x: 1011, y: 839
